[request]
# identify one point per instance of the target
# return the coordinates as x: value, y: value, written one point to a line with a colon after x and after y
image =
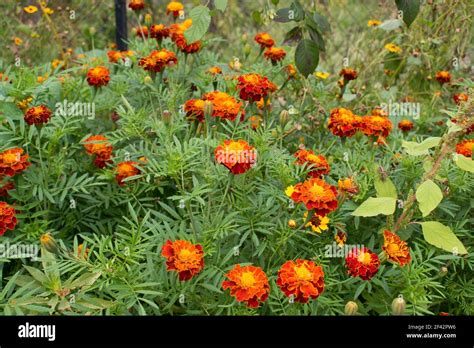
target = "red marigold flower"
x: 247, y: 284
x: 343, y: 123
x: 348, y: 74
x: 238, y: 156
x: 183, y: 257
x: 275, y: 54
x: 177, y: 35
x: 465, y: 147
x: 194, y: 109
x: 347, y: 185
x: 98, y: 76
x: 460, y: 98
x: 254, y: 87
x: 405, y: 125
x: 38, y: 115
x: 156, y: 61
x: 301, y: 279
x: 159, y: 31
x: 12, y: 161
x: 378, y: 126
x: 125, y: 170
x: 224, y: 106
x: 264, y: 40
x: 5, y: 188
x: 443, y: 77
x: 396, y: 249
x: 141, y: 31
x: 318, y: 163
x: 363, y: 263
x: 175, y: 8
x: 7, y: 218
x: 137, y: 5
x: 99, y: 145
x: 316, y: 194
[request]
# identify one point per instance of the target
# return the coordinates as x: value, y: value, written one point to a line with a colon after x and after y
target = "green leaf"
x: 317, y: 38
x: 296, y: 12
x: 322, y: 22
x: 306, y: 57
x: 442, y: 237
x: 464, y: 163
x: 409, y: 8
x: 390, y: 24
x: 294, y: 35
x: 428, y: 195
x: 201, y: 21
x: 220, y: 5
x: 392, y: 61
x: 375, y: 206
x: 417, y: 149
x: 385, y: 188
x: 283, y: 15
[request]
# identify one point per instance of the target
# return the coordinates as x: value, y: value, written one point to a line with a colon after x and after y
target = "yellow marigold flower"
x: 30, y: 9
x: 373, y: 23
x: 175, y: 7
x: 23, y: 104
x: 291, y: 223
x: 317, y: 223
x: 56, y: 62
x: 391, y: 47
x: 48, y: 11
x: 41, y: 79
x: 289, y: 190
x: 321, y: 75
x: 34, y: 35
x: 17, y: 41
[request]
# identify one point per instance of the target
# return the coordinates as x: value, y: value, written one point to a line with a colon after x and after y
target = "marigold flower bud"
x: 148, y: 19
x: 291, y: 223
x: 398, y: 305
x: 208, y: 108
x: 351, y: 308
x: 166, y: 116
x: 284, y: 117
x: 147, y: 80
x: 47, y: 241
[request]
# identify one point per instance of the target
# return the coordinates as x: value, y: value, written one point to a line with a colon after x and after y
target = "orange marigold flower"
x: 318, y: 163
x: 98, y: 76
x: 159, y: 31
x: 316, y: 194
x: 183, y: 46
x: 12, y: 161
x: 214, y: 70
x: 302, y: 279
x: 348, y: 74
x: 363, y: 263
x: 405, y: 125
x: 254, y: 87
x: 38, y: 115
x: 5, y: 188
x: 82, y: 254
x: 183, y: 257
x: 125, y: 170
x: 224, y: 106
x: 347, y: 185
x: 238, y: 156
x: 460, y: 98
x: 443, y: 77
x: 465, y: 147
x: 7, y: 218
x: 137, y: 5
x: 156, y: 61
x: 264, y: 40
x: 275, y: 54
x: 378, y: 111
x: 115, y: 56
x: 396, y: 249
x: 378, y: 126
x: 175, y: 8
x: 194, y: 109
x: 343, y: 123
x: 247, y: 284
x: 291, y: 70
x: 340, y: 238
x: 99, y: 145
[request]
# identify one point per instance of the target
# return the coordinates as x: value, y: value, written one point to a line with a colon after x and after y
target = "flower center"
x: 317, y: 190
x: 247, y: 280
x: 303, y: 273
x: 184, y: 254
x: 393, y: 248
x: 364, y: 258
x: 10, y: 158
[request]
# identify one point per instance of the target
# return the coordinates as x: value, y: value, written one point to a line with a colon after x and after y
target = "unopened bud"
x: 398, y: 305
x: 148, y: 19
x: 208, y: 108
x: 247, y: 49
x: 351, y: 308
x: 147, y: 80
x: 284, y: 117
x: 443, y: 270
x: 166, y: 116
x: 47, y: 241
x: 291, y: 223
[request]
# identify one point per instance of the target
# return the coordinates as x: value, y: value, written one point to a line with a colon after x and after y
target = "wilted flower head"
x: 317, y: 163
x: 347, y: 185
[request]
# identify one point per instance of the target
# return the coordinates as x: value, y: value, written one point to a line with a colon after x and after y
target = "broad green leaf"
x: 390, y: 24
x: 385, y: 188
x: 453, y: 127
x: 201, y: 21
x: 416, y: 149
x: 283, y: 15
x: 442, y: 237
x: 375, y: 206
x: 296, y: 11
x: 322, y: 22
x: 409, y: 8
x: 464, y: 163
x: 428, y: 195
x: 221, y: 5
x: 306, y: 57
